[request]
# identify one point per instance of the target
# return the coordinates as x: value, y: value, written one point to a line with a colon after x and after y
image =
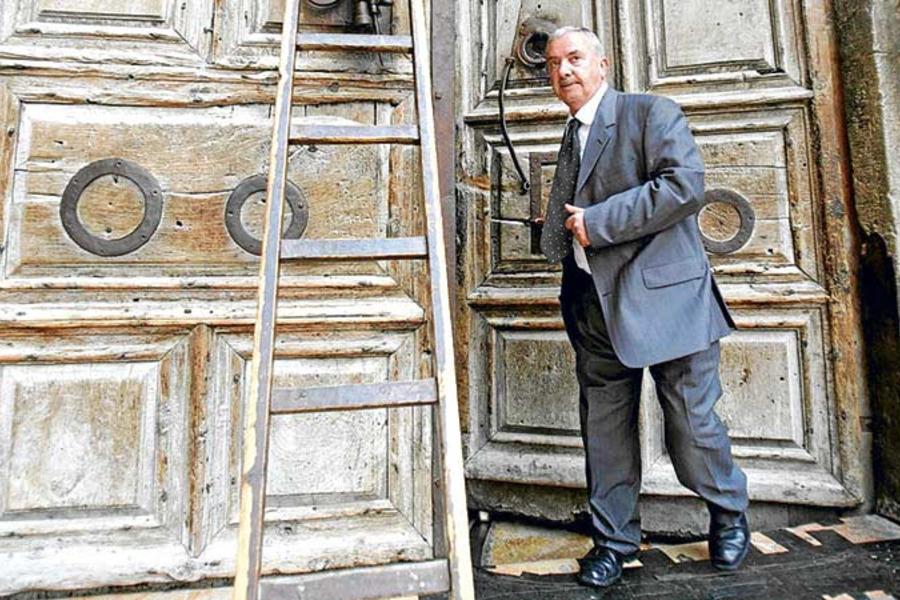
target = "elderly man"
x: 637, y: 291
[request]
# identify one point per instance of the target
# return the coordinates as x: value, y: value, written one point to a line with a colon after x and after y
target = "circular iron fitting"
x: 747, y: 221
x: 530, y: 51
x: 119, y: 167
x: 235, y: 206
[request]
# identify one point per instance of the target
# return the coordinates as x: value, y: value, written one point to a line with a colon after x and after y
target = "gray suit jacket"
x: 641, y: 184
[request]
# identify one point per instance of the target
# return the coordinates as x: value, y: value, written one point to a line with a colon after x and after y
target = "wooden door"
x: 131, y: 133
x: 757, y: 79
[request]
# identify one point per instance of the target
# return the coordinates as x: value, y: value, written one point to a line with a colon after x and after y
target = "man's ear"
x: 604, y: 65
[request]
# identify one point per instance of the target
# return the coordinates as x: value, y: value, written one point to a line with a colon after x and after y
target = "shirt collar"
x: 587, y: 112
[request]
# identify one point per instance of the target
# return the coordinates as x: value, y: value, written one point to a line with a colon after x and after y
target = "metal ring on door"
x: 153, y: 204
x: 745, y: 229
x: 253, y: 185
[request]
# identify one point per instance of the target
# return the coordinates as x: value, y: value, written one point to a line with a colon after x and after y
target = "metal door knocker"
x: 119, y: 167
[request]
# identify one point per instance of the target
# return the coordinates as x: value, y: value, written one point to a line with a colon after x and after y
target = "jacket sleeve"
x: 673, y: 191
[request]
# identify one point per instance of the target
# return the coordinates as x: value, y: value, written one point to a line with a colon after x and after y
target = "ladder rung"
x: 352, y: 41
x: 373, y: 249
x: 367, y: 583
x: 354, y: 134
x: 354, y: 397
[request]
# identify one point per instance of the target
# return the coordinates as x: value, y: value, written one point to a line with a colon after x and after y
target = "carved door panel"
x: 132, y: 131
x: 756, y: 79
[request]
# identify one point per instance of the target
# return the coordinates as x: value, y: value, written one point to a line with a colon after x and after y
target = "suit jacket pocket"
x: 672, y: 273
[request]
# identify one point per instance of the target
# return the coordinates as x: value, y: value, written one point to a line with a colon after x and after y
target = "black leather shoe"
x: 729, y: 539
x: 601, y: 567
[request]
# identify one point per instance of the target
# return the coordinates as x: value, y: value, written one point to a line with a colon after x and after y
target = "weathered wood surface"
x: 841, y: 259
x: 442, y: 389
x: 330, y: 311
x: 354, y: 397
x: 353, y: 449
x: 350, y: 134
x: 354, y: 41
x: 202, y: 73
x: 341, y: 541
x: 255, y: 437
x: 372, y: 583
x: 382, y: 249
x: 449, y: 434
x: 185, y: 90
x: 56, y: 141
x: 407, y: 219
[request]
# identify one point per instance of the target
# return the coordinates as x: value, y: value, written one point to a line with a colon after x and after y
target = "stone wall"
x: 870, y: 56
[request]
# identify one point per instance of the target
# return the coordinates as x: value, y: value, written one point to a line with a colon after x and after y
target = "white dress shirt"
x: 585, y: 116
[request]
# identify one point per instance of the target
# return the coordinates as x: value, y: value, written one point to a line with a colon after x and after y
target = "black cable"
x: 504, y: 81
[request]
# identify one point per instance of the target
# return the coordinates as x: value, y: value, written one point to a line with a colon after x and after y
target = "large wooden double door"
x: 131, y: 134
x: 757, y: 79
x: 126, y: 304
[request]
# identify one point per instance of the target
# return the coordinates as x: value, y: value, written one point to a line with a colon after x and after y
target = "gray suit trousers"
x: 687, y: 387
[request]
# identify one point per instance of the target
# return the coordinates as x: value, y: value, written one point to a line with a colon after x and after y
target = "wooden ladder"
x: 452, y: 573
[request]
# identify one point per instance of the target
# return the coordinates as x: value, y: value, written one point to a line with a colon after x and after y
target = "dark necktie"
x: 556, y: 240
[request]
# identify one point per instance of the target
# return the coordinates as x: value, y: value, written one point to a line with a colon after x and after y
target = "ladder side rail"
x: 256, y: 410
x: 457, y: 532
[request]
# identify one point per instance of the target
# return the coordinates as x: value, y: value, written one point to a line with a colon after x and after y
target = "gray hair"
x: 593, y: 40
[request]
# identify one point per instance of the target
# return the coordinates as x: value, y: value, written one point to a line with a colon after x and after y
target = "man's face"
x: 576, y: 71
